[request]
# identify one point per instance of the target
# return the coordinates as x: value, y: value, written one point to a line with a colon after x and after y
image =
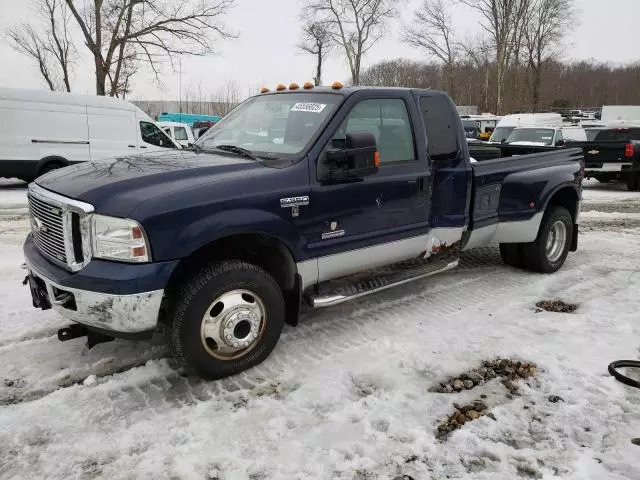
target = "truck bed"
x: 512, y: 192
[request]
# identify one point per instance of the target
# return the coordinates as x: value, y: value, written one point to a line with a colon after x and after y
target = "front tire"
x: 226, y: 319
x: 550, y: 249
x: 633, y: 181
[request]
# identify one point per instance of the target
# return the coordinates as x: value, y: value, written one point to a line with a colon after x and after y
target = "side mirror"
x: 560, y: 143
x: 358, y: 158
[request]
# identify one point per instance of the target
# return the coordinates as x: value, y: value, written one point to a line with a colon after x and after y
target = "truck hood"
x: 116, y: 186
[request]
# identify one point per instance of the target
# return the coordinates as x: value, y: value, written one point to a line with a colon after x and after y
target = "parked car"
x: 612, y: 154
x: 508, y: 123
x: 42, y: 131
x: 181, y: 133
x: 363, y: 190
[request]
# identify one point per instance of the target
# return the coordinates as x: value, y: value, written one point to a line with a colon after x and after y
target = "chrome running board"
x: 335, y: 292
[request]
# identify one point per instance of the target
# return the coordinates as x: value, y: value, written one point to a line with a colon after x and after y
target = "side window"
x: 634, y: 134
x: 559, y: 136
x: 388, y: 121
x: 180, y: 133
x: 154, y: 136
x: 441, y: 124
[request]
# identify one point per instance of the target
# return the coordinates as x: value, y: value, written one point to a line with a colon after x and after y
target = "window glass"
x: 441, y: 124
x: 388, y: 121
x: 543, y: 136
x: 180, y: 133
x: 501, y: 134
x: 274, y: 126
x: 154, y: 136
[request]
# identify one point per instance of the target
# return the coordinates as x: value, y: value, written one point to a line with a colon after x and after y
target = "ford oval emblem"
x: 36, y: 224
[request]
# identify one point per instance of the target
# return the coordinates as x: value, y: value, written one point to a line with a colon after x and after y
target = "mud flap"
x: 574, y: 240
x: 39, y: 296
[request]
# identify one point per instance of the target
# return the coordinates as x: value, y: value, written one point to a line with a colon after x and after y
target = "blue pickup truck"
x: 314, y: 195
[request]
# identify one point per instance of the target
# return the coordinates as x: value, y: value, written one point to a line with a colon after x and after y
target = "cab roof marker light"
x: 293, y: 86
x: 308, y: 85
x: 336, y: 85
x: 265, y: 89
x: 280, y: 87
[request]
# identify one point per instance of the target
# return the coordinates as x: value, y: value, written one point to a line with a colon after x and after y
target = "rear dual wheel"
x: 549, y: 251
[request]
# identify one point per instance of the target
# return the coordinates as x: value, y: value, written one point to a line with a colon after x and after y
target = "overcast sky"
x: 265, y: 51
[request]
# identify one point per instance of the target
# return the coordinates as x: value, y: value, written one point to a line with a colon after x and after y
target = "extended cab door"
x: 381, y: 218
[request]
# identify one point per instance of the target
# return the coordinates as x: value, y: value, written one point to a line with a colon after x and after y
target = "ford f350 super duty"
x: 315, y: 194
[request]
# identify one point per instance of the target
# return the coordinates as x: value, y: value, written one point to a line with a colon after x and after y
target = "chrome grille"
x: 60, y: 227
x: 47, y: 226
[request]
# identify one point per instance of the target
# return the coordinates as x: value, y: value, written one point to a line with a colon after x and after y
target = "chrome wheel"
x: 556, y: 241
x: 233, y: 324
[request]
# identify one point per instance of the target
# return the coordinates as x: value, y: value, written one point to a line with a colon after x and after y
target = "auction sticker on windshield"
x: 308, y: 107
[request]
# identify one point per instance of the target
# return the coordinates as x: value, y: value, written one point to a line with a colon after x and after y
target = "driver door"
x: 381, y: 218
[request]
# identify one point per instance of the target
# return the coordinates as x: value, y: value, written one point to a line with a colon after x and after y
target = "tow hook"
x: 77, y: 331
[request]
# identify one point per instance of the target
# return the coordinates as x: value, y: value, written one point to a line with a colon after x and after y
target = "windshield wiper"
x: 238, y: 150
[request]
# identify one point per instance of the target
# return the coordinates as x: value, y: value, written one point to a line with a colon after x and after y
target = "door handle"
x: 142, y: 146
x: 131, y: 146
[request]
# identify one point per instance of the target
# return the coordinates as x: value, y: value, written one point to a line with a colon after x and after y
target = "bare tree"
x: 432, y: 31
x: 503, y: 21
x: 157, y: 30
x: 547, y: 25
x: 226, y: 98
x: 478, y: 52
x: 355, y: 25
x: 50, y: 46
x: 317, y: 41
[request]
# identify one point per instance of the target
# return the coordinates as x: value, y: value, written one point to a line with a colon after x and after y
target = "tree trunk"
x: 101, y: 78
x: 537, y: 81
x: 318, y: 79
x: 487, y: 73
x: 499, y: 88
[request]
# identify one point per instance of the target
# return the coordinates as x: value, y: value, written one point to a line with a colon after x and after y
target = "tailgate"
x: 596, y: 154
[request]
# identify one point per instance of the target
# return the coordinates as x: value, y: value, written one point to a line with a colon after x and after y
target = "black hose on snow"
x: 613, y: 370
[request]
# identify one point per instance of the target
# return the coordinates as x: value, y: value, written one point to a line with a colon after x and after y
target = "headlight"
x: 118, y: 239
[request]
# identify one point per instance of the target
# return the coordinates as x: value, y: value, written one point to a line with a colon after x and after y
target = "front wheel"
x: 227, y: 318
x: 549, y: 251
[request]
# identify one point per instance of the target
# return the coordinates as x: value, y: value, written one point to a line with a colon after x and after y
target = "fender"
x: 196, y: 235
x: 549, y: 192
x: 521, y: 189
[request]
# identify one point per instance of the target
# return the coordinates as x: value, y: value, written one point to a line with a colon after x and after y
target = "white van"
x: 44, y: 130
x: 181, y: 133
x: 508, y: 123
x: 620, y: 114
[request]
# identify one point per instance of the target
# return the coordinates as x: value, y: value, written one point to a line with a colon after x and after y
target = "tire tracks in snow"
x: 319, y: 335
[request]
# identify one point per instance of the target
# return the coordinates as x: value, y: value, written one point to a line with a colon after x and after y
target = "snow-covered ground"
x: 346, y: 395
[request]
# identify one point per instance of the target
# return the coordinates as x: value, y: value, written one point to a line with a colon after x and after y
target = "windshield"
x: 500, y: 134
x: 273, y: 126
x: 537, y: 135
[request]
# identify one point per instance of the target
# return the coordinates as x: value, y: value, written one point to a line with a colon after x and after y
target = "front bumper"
x: 116, y: 309
x: 135, y: 313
